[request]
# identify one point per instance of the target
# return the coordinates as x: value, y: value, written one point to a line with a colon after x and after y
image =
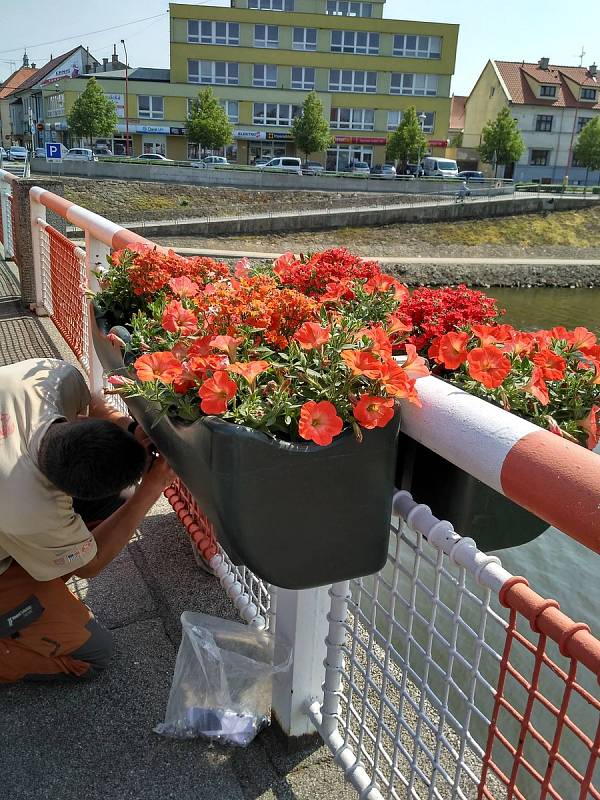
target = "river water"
x: 544, y: 308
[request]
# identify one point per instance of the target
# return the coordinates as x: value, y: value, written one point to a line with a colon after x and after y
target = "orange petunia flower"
x: 382, y: 344
x: 452, y: 349
x: 520, y: 343
x: 319, y: 422
x: 338, y: 290
x: 177, y: 319
x: 228, y: 344
x: 250, y: 370
x: 242, y: 268
x: 285, y: 260
x: 415, y: 366
x: 537, y: 387
x: 216, y: 392
x: 199, y: 366
x: 485, y: 333
x: 488, y: 365
x: 397, y: 383
x: 161, y: 366
x: 580, y: 338
x: 553, y: 366
x: 311, y: 335
x: 374, y: 412
x: 383, y: 283
x: 362, y: 362
x: 591, y: 424
x: 184, y: 287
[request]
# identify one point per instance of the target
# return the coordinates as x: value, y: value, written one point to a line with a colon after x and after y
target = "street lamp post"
x: 126, y: 99
x: 422, y: 117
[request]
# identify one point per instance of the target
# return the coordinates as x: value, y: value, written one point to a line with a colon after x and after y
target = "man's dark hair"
x: 91, y: 458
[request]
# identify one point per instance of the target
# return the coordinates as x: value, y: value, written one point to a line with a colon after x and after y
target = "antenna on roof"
x: 581, y: 56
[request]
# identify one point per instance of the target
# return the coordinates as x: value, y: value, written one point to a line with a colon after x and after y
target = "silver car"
x: 17, y: 153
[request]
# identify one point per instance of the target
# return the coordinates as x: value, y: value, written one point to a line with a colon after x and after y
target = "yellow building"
x: 261, y: 57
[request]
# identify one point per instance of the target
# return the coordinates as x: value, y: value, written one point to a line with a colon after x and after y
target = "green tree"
x: 92, y: 114
x: 311, y: 130
x: 207, y: 123
x: 501, y: 140
x: 407, y: 143
x: 587, y: 149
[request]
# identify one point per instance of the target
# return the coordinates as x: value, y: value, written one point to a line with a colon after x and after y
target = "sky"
x: 510, y: 30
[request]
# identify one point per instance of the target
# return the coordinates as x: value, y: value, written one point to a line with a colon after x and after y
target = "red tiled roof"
x: 457, y: 112
x: 513, y: 74
x: 16, y: 80
x: 47, y: 68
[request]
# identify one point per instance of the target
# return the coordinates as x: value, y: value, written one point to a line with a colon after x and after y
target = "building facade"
x: 551, y: 105
x: 261, y: 57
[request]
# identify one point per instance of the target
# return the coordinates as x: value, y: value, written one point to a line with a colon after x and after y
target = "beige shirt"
x: 38, y: 526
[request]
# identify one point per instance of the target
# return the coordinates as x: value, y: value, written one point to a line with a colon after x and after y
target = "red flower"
x: 160, y: 366
x: 184, y: 287
x: 284, y: 261
x: 382, y: 344
x: 452, y: 349
x: 200, y: 347
x: 537, y: 387
x: 362, y: 362
x: 415, y: 366
x: 397, y: 383
x: 183, y: 383
x: 488, y: 365
x: 242, y: 268
x: 384, y: 283
x: 177, y: 319
x: 319, y: 422
x: 216, y: 392
x: 520, y: 343
x: 553, y: 367
x: 580, y: 338
x: 199, y: 366
x: 485, y: 333
x: 311, y: 335
x: 591, y: 424
x: 338, y: 290
x: 374, y: 412
x: 228, y: 344
x: 249, y: 370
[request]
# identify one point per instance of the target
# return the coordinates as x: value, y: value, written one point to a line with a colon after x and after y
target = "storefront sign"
x: 360, y: 140
x: 70, y: 68
x: 119, y: 101
x: 261, y: 136
x: 438, y: 142
x: 177, y: 131
x: 248, y: 134
x: 279, y: 136
x: 150, y: 129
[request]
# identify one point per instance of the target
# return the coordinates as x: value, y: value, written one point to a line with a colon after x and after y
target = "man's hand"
x: 157, y: 478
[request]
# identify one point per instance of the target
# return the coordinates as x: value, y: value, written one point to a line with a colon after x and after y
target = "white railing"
x: 6, y: 216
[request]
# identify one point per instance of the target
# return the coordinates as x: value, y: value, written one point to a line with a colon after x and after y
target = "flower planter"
x: 298, y: 515
x: 475, y: 510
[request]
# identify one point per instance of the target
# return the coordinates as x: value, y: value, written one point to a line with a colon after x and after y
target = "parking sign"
x: 53, y: 151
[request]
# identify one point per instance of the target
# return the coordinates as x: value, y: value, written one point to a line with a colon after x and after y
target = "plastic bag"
x: 223, y: 680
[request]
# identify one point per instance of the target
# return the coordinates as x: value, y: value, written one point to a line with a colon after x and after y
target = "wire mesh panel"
x: 12, y: 227
x: 253, y: 598
x: 419, y: 695
x: 6, y: 220
x: 63, y: 290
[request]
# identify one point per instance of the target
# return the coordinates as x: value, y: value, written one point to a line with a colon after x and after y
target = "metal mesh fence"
x: 423, y: 682
x: 6, y: 223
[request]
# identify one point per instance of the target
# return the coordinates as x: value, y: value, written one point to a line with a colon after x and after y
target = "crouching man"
x: 62, y: 475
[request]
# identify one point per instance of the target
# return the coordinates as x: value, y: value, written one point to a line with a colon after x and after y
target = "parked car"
x: 472, y: 175
x: 102, y: 150
x: 209, y: 162
x: 358, y: 167
x: 440, y: 167
x: 17, y: 153
x: 261, y: 161
x: 80, y: 154
x: 153, y: 157
x: 384, y: 171
x: 313, y: 168
x: 39, y: 152
x: 3, y: 153
x: 283, y: 163
x: 416, y: 170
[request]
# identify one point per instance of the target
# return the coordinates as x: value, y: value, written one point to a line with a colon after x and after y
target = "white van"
x: 440, y: 167
x: 283, y: 163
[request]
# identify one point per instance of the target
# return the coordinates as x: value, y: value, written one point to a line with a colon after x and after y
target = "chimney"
x: 25, y: 59
x: 104, y: 64
x: 593, y: 70
x: 544, y: 63
x: 33, y: 65
x: 115, y: 57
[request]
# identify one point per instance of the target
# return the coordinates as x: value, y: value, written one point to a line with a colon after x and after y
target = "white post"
x: 95, y: 261
x: 37, y: 212
x: 6, y: 218
x: 301, y: 621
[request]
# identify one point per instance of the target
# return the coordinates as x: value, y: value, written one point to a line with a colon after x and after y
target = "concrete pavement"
x: 94, y: 740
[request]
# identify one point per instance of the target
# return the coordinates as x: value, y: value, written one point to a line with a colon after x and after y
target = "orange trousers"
x: 64, y: 641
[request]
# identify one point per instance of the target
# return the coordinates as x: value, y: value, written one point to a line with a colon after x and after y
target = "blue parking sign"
x: 53, y: 151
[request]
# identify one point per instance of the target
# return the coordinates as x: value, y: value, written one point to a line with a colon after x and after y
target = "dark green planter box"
x: 298, y: 515
x: 475, y: 510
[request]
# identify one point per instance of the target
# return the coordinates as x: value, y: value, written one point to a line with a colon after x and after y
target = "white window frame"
x: 55, y: 105
x: 271, y: 5
x: 152, y: 113
x: 284, y: 114
x: 232, y: 108
x: 352, y: 119
x: 419, y: 85
x: 348, y: 42
x: 302, y: 43
x: 359, y: 80
x: 395, y: 118
x: 348, y: 8
x: 206, y: 32
x: 303, y: 81
x: 269, y: 75
x: 266, y: 40
x: 207, y: 73
x: 424, y: 46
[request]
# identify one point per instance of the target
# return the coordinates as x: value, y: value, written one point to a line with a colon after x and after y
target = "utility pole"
x: 126, y: 99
